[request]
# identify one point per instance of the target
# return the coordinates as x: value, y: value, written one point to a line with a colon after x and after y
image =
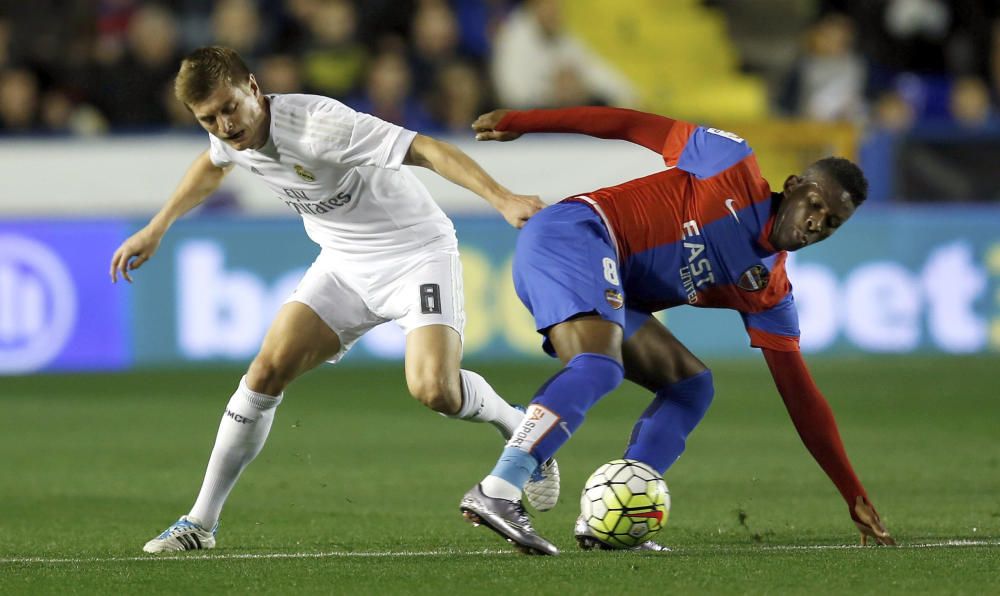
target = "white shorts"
x: 414, y: 290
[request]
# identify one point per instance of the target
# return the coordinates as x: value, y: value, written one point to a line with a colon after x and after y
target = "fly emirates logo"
x: 303, y: 204
x: 698, y: 270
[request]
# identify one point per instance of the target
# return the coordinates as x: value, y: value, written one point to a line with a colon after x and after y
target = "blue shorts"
x: 566, y: 266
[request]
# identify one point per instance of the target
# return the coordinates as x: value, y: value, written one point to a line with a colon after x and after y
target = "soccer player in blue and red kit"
x: 707, y: 231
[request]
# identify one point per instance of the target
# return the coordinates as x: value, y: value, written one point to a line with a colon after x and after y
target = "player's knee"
x: 697, y: 390
x: 269, y: 375
x: 604, y: 374
x: 437, y: 393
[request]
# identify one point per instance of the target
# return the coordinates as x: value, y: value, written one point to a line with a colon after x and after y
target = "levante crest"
x: 754, y: 279
x: 614, y: 298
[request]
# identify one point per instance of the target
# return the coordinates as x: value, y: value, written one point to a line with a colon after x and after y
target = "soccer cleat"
x: 586, y: 540
x: 542, y: 489
x: 506, y: 518
x: 183, y: 534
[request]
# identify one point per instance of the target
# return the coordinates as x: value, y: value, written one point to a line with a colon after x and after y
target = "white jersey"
x: 340, y: 170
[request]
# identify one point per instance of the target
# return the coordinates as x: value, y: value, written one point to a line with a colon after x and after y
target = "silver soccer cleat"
x: 506, y: 518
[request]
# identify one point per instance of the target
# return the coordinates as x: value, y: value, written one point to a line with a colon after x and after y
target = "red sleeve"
x: 648, y: 130
x: 814, y: 420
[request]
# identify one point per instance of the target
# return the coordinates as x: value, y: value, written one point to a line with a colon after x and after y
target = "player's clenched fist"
x: 133, y: 253
x: 517, y: 209
x: 485, y: 127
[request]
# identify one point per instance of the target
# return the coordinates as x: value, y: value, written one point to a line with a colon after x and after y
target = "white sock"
x: 498, y: 488
x: 242, y: 432
x: 480, y: 403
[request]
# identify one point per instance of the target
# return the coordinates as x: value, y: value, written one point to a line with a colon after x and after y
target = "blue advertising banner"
x: 58, y: 310
x: 893, y: 281
x: 215, y: 284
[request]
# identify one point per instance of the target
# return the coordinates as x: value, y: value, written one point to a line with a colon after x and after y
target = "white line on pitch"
x: 944, y: 544
x: 238, y: 556
x: 435, y: 553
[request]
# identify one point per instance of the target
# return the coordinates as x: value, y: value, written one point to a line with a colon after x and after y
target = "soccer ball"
x: 625, y: 502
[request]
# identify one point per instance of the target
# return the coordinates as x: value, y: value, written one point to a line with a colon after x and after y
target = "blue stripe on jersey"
x: 782, y: 319
x: 670, y: 274
x: 709, y: 151
x: 770, y: 260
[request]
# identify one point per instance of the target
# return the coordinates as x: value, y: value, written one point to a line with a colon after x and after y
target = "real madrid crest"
x: 754, y: 279
x: 304, y: 174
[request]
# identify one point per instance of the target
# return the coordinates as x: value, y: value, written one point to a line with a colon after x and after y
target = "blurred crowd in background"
x: 897, y: 63
x: 86, y: 67
x: 430, y: 65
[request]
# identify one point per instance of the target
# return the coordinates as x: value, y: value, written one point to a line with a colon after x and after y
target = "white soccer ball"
x: 625, y: 502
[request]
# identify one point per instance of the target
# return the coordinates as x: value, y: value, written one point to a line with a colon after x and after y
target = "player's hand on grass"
x: 133, y: 253
x: 518, y: 209
x: 868, y: 522
x: 485, y: 127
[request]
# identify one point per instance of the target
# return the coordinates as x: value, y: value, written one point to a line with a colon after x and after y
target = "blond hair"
x: 205, y: 70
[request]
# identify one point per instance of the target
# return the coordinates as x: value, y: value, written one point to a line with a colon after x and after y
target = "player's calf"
x: 439, y: 394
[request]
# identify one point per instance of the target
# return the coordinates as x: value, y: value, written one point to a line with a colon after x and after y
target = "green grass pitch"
x: 357, y: 490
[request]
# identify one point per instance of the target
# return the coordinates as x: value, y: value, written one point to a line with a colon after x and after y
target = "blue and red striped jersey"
x: 695, y: 233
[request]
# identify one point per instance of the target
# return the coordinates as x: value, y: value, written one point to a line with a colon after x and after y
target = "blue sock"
x: 555, y: 412
x: 515, y: 466
x: 659, y: 436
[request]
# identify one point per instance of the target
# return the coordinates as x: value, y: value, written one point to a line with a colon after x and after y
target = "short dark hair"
x: 205, y: 70
x: 847, y: 174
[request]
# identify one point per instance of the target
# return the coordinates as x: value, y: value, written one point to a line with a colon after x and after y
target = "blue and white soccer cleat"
x: 586, y: 540
x: 542, y: 489
x: 184, y: 534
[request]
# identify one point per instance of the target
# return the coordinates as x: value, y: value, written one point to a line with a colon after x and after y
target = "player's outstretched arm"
x: 486, y: 127
x: 454, y: 165
x: 648, y: 130
x: 201, y: 179
x: 813, y: 419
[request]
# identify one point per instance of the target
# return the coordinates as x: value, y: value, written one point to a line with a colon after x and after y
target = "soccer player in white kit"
x: 388, y: 253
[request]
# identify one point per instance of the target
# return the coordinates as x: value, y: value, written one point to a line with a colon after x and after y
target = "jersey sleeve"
x: 217, y: 152
x: 647, y: 130
x: 352, y: 138
x: 702, y: 151
x: 776, y: 328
